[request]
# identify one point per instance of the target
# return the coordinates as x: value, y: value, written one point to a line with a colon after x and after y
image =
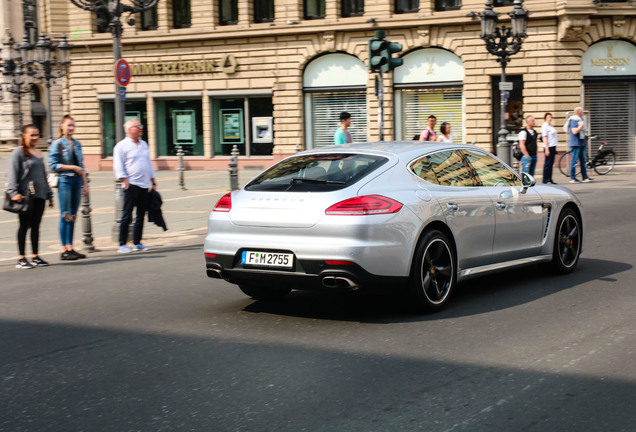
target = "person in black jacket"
x: 27, y: 172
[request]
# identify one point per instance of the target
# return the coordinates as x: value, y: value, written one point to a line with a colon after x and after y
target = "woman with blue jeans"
x: 65, y: 158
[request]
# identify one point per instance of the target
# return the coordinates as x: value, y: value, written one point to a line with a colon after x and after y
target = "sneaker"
x: 39, y: 262
x: 23, y: 264
x: 68, y: 256
x: 77, y: 254
x: 587, y: 180
x: 124, y: 249
x: 140, y: 247
x: 574, y: 181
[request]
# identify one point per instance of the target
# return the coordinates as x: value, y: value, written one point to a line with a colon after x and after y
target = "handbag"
x: 52, y: 179
x: 516, y: 152
x: 24, y: 206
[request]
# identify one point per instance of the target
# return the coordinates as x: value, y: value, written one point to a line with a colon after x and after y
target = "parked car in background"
x: 390, y: 215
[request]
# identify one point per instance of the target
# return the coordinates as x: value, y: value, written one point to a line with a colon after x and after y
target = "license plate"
x: 268, y: 259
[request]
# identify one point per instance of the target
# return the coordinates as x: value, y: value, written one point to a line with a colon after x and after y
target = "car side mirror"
x: 527, y: 181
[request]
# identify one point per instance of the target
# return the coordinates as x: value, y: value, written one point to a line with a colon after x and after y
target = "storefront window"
x: 134, y: 109
x: 230, y: 128
x: 179, y: 124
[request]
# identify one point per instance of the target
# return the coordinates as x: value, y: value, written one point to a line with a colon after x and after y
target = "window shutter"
x: 325, y: 118
x: 445, y: 103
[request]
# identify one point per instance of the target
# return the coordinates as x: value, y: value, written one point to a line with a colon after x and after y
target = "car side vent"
x: 547, y: 208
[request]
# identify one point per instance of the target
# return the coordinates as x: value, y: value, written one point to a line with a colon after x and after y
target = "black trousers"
x: 548, y: 164
x: 138, y: 197
x: 31, y: 220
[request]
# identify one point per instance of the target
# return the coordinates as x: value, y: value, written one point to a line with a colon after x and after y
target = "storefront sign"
x: 227, y: 64
x: 610, y: 58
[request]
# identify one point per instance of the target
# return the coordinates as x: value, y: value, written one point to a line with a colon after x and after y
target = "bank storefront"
x: 609, y: 80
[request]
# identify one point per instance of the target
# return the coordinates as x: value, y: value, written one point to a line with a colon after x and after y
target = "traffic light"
x: 380, y: 51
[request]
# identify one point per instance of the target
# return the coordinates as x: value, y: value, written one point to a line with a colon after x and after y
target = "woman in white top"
x: 550, y: 142
x: 445, y: 135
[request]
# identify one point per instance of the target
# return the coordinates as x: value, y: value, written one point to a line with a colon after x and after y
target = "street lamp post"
x: 503, y: 42
x: 17, y: 81
x: 112, y: 10
x: 26, y: 62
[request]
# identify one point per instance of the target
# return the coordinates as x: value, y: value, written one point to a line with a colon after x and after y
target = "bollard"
x: 87, y: 226
x: 181, y: 168
x: 119, y: 206
x: 234, y: 168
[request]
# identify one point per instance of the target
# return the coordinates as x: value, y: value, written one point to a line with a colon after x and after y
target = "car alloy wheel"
x: 567, y: 245
x: 433, y: 276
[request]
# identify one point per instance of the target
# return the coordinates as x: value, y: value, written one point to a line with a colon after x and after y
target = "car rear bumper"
x: 304, y: 275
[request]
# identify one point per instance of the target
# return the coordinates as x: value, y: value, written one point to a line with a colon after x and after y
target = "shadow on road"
x: 472, y: 297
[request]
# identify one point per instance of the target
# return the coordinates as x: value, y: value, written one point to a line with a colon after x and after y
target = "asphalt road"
x: 146, y: 342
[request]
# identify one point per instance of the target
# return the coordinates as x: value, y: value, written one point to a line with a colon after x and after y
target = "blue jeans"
x: 528, y: 164
x: 69, y: 191
x: 578, y: 155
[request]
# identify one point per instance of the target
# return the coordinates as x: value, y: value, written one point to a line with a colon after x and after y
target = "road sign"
x: 505, y: 85
x: 122, y: 72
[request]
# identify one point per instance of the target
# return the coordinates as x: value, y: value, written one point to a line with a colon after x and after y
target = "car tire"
x: 264, y: 293
x: 567, y: 242
x: 433, y: 275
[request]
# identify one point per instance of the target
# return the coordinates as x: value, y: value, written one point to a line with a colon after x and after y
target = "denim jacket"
x: 61, y: 155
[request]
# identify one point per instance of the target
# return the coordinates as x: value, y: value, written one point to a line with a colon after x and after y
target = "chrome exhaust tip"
x: 340, y: 282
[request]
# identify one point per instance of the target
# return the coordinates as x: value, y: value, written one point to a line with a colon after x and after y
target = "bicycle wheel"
x: 605, y: 164
x: 564, y: 163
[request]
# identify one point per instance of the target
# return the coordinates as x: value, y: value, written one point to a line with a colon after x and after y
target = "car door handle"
x: 452, y: 207
x: 500, y: 205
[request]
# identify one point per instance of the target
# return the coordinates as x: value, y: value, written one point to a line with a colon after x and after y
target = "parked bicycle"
x: 602, y: 162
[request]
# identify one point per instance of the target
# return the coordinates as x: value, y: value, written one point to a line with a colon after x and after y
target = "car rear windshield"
x: 316, y: 173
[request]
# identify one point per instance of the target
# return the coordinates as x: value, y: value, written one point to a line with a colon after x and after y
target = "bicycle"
x: 602, y: 163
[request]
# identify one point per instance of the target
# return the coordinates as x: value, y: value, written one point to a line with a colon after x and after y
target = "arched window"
x: 333, y: 83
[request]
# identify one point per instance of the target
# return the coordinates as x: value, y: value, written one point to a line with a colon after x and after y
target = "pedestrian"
x: 342, y: 135
x: 528, y: 146
x: 550, y: 140
x: 65, y: 158
x: 445, y: 135
x: 133, y: 167
x: 577, y: 139
x: 429, y: 134
x: 27, y: 171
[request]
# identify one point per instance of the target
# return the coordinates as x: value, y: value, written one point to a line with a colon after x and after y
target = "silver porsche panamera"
x: 389, y: 215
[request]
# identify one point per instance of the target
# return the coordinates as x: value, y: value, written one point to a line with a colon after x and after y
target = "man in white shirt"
x: 133, y: 167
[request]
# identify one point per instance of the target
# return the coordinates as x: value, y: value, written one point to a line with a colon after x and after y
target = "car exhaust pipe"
x: 214, y: 273
x: 340, y: 282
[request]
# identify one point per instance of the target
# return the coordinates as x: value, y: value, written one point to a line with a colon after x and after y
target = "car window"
x: 316, y: 172
x: 490, y: 171
x: 446, y: 168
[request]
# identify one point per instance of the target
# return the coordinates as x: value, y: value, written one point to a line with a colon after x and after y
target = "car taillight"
x: 365, y: 205
x: 338, y: 262
x: 209, y: 255
x: 224, y: 204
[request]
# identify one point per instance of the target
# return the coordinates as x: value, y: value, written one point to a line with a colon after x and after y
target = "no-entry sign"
x: 122, y: 72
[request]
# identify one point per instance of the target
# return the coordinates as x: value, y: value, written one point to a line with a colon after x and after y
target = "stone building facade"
x: 209, y: 75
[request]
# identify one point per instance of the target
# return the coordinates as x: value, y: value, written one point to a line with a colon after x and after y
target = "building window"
x: 134, y: 109
x: 245, y: 123
x: 179, y: 124
x: 102, y: 21
x: 149, y: 20
x: 407, y: 6
x: 352, y: 8
x: 181, y: 15
x: 263, y: 11
x: 314, y: 9
x: 442, y: 5
x: 503, y: 2
x: 228, y: 12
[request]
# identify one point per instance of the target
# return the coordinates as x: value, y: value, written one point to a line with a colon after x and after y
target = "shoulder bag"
x: 53, y: 178
x: 24, y: 206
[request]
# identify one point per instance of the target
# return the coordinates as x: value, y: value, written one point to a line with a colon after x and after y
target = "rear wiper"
x: 311, y: 180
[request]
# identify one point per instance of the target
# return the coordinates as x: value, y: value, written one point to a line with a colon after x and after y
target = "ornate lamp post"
x: 53, y: 60
x: 112, y: 10
x: 503, y: 42
x: 17, y: 80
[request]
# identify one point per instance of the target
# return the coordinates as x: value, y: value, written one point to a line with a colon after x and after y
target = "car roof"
x: 401, y: 149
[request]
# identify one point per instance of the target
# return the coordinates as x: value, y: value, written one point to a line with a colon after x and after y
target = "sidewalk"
x: 185, y: 212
